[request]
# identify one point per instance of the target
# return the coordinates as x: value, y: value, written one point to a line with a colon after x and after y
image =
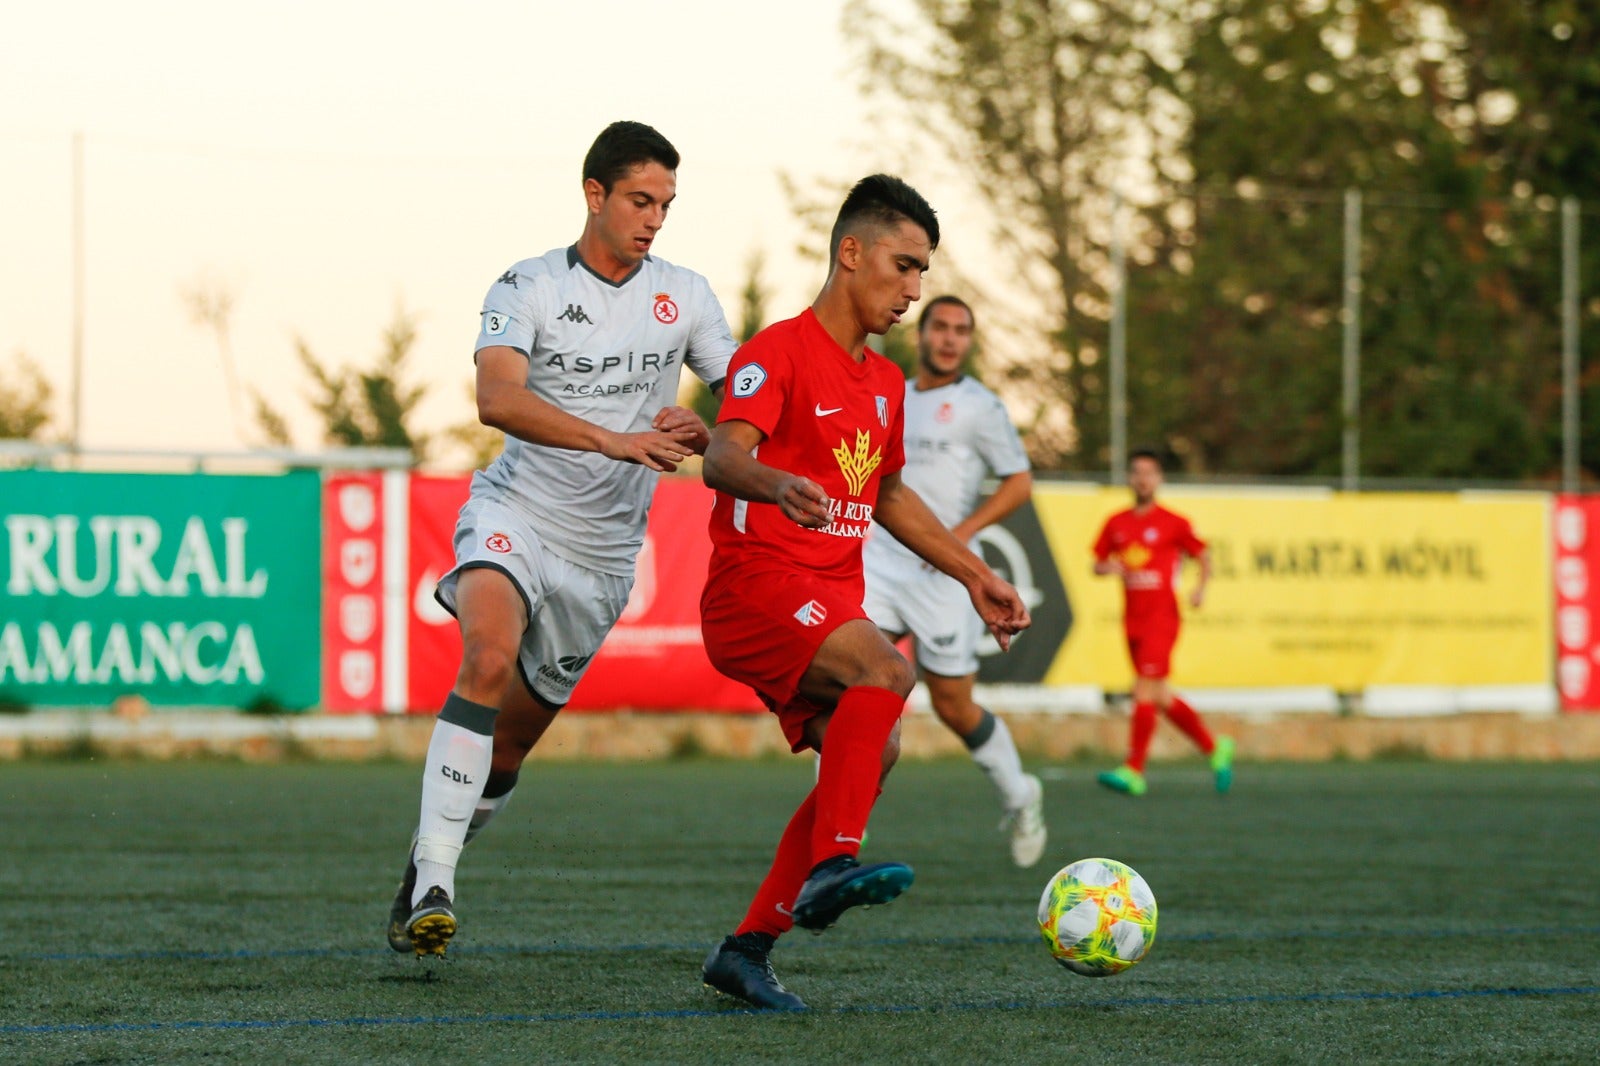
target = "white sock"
x: 488, y: 807
x: 458, y: 760
x: 996, y: 755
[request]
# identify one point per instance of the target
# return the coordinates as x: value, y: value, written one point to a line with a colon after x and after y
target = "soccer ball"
x: 1098, y: 917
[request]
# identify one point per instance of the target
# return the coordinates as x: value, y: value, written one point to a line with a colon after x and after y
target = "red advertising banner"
x: 653, y: 660
x: 352, y: 581
x: 1577, y: 601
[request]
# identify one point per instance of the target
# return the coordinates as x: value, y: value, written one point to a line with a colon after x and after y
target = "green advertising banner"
x: 185, y: 589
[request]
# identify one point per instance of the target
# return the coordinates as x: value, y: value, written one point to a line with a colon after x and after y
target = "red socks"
x: 769, y: 911
x: 852, y: 764
x: 1140, y: 731
x: 832, y: 818
x: 1187, y: 719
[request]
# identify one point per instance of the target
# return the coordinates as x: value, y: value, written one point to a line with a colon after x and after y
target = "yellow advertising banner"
x: 1330, y: 589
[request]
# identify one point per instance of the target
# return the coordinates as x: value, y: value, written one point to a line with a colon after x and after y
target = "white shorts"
x: 906, y: 595
x: 570, y: 608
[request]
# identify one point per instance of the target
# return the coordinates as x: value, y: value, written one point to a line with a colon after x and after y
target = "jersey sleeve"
x: 1102, y: 543
x: 758, y: 385
x: 1188, y: 539
x: 711, y: 343
x: 894, y: 457
x: 510, y: 315
x: 998, y: 443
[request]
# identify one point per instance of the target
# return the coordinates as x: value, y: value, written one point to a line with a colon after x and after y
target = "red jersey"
x: 1151, y: 545
x: 826, y: 417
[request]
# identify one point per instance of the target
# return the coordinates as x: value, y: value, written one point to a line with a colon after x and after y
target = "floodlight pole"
x: 1351, y: 354
x: 77, y: 291
x: 1570, y: 425
x: 1119, y: 343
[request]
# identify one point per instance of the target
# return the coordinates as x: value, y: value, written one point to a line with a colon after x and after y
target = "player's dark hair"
x: 1146, y: 453
x: 942, y: 301
x: 622, y: 146
x: 882, y: 200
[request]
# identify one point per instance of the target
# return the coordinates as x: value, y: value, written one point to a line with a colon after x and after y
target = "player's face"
x: 1144, y: 478
x: 627, y: 219
x: 887, y: 278
x: 945, y: 340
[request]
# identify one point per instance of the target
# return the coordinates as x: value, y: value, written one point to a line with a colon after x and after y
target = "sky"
x: 328, y: 164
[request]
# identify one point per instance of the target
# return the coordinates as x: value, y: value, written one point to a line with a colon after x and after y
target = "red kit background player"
x: 1145, y: 546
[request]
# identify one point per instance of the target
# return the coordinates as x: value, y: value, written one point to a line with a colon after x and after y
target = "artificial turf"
x: 223, y: 912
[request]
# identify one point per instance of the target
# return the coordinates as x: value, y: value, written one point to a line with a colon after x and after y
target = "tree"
x: 210, y: 303
x: 25, y: 401
x: 360, y: 408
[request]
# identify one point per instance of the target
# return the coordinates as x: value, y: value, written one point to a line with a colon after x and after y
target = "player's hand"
x: 1197, y: 597
x: 803, y: 502
x: 1001, y: 607
x: 682, y: 420
x: 653, y: 448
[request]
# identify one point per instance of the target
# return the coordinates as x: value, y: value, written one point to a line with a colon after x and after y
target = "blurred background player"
x: 781, y: 610
x: 577, y: 352
x: 956, y: 433
x: 1145, y: 546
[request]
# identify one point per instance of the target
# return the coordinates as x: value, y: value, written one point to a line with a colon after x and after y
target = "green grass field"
x: 1387, y: 912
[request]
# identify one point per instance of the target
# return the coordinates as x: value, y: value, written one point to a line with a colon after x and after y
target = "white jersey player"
x: 957, y: 433
x: 578, y: 358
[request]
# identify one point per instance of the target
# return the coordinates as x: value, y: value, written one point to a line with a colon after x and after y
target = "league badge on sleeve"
x: 748, y: 379
x: 495, y: 322
x: 883, y: 410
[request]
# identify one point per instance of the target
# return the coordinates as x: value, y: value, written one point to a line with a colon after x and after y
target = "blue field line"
x: 248, y: 954
x: 908, y: 1008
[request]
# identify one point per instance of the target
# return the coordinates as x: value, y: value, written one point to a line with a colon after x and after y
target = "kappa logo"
x: 498, y: 542
x: 574, y: 313
x: 573, y: 663
x: 508, y: 278
x: 858, y: 465
x: 666, y: 311
x: 811, y: 613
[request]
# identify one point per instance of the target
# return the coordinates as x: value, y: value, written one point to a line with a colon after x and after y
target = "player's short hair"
x: 945, y: 301
x: 1146, y: 453
x: 622, y: 146
x: 882, y: 200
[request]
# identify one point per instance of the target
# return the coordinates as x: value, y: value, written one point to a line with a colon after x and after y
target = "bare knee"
x: 889, y: 671
x: 487, y: 668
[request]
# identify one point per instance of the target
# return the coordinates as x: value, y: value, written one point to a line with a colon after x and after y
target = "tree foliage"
x: 371, y: 407
x: 1233, y: 127
x: 26, y: 397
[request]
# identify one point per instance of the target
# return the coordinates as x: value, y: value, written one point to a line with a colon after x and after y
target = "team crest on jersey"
x: 748, y: 379
x: 858, y: 465
x: 811, y: 613
x: 498, y: 542
x: 944, y: 414
x: 883, y: 410
x: 666, y: 310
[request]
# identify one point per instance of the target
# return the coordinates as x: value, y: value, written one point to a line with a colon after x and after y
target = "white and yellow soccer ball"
x: 1098, y: 917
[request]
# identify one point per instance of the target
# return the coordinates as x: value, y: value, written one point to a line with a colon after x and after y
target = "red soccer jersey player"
x: 1145, y: 546
x: 806, y: 453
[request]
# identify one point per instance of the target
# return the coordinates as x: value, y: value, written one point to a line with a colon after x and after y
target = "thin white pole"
x: 1351, y: 354
x: 1119, y: 343
x: 1570, y: 419
x: 77, y: 290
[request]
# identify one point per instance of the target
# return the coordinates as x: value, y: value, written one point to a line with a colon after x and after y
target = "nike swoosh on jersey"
x: 823, y: 412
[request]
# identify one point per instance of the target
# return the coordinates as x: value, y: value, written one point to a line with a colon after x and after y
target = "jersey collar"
x: 574, y: 259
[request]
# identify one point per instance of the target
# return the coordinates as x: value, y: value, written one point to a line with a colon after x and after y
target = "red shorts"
x: 763, y: 624
x: 1150, y: 648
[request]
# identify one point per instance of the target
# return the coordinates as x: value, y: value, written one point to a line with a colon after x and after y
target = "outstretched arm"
x: 903, y: 513
x: 505, y: 402
x: 1198, y: 596
x: 731, y: 467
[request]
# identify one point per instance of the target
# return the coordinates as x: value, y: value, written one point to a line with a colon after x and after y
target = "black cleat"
x: 400, y: 909
x: 742, y: 966
x: 432, y: 923
x: 841, y: 883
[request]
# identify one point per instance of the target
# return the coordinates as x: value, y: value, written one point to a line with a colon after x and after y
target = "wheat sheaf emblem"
x: 858, y: 465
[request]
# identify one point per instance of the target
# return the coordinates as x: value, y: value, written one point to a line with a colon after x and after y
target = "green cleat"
x: 1123, y: 779
x: 1222, y: 764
